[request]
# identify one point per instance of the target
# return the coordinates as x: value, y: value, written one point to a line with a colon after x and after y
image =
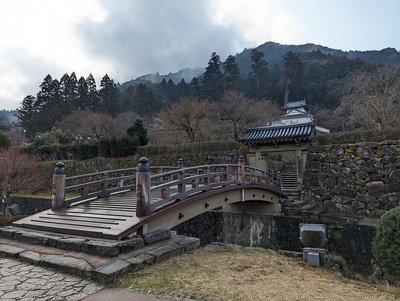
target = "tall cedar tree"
x: 109, y: 95
x: 212, y: 81
x: 93, y: 94
x: 258, y: 77
x: 231, y: 73
x: 26, y: 114
x: 293, y: 74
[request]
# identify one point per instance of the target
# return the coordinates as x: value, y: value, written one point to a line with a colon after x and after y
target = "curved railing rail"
x: 173, y: 186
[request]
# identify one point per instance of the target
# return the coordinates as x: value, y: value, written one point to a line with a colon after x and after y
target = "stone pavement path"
x: 20, y: 281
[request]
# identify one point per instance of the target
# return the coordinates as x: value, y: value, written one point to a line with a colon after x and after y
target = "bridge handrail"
x: 191, y: 180
x: 103, y: 183
x: 186, y: 181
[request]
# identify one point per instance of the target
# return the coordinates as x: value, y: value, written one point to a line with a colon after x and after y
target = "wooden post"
x: 143, y: 188
x: 181, y: 176
x: 58, y: 191
x: 279, y: 177
x: 242, y: 169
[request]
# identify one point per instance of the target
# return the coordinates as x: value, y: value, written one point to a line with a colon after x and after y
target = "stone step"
x: 93, y: 265
x: 92, y: 246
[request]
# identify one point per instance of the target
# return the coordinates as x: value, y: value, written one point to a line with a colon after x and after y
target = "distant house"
x: 282, y: 146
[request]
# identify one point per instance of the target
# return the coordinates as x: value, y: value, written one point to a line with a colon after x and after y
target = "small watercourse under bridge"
x: 116, y: 204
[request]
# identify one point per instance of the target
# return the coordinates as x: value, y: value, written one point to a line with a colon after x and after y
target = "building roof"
x: 295, y: 104
x: 274, y: 134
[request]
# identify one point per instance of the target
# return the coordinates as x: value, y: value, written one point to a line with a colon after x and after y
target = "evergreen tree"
x: 195, y: 89
x: 127, y: 99
x: 183, y: 89
x: 83, y: 94
x: 93, y: 94
x: 69, y: 92
x: 26, y: 115
x: 258, y: 77
x: 139, y: 132
x: 109, y: 95
x: 171, y: 91
x: 293, y: 73
x: 231, y: 73
x: 145, y: 103
x: 50, y: 105
x: 212, y: 81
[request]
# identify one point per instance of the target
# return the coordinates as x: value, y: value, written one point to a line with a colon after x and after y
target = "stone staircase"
x: 293, y: 204
x: 289, y: 178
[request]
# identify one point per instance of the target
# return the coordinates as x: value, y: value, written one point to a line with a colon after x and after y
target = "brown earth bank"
x: 223, y: 273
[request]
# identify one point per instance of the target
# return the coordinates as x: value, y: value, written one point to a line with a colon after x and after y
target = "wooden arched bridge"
x: 115, y: 204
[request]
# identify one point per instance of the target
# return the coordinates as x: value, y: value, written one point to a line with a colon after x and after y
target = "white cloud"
x: 258, y: 21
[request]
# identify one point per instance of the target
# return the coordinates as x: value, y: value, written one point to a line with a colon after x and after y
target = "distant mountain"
x: 10, y: 115
x: 273, y: 53
x: 186, y: 74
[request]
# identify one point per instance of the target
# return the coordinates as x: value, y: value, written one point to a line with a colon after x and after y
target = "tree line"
x: 343, y: 94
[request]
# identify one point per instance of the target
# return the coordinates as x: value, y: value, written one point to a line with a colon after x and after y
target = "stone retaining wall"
x: 29, y: 206
x: 361, y: 178
x: 349, y: 240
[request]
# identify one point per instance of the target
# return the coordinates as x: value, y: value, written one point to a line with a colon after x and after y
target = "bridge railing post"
x: 143, y: 188
x: 104, y: 184
x: 181, y: 176
x: 279, y: 178
x: 242, y: 169
x: 58, y: 188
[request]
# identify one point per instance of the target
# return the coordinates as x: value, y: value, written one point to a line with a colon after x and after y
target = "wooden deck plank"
x: 108, y: 218
x: 72, y: 223
x: 71, y: 230
x: 87, y: 215
x: 101, y: 212
x: 79, y: 219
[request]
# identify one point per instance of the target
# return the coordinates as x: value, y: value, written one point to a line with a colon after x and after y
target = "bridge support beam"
x: 143, y: 188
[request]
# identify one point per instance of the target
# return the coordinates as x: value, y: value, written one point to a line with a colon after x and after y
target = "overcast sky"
x: 130, y: 38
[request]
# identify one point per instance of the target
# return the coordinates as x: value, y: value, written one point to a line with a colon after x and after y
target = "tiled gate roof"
x: 278, y: 133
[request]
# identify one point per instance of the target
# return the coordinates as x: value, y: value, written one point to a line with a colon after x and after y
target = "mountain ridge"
x: 273, y: 53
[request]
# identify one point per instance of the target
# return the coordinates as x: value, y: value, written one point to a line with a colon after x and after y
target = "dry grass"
x: 238, y: 274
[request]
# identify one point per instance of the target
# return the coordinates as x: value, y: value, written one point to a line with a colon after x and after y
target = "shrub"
x: 386, y: 243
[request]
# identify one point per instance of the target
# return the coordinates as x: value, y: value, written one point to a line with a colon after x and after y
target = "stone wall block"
x: 348, y: 192
x: 388, y: 160
x: 358, y: 205
x: 394, y: 176
x: 393, y: 187
x: 314, y: 166
x: 376, y: 188
x: 330, y: 182
x: 365, y: 153
x: 314, y: 149
x: 337, y: 150
x: 387, y: 169
x: 342, y: 200
x: 362, y: 175
x: 388, y: 150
